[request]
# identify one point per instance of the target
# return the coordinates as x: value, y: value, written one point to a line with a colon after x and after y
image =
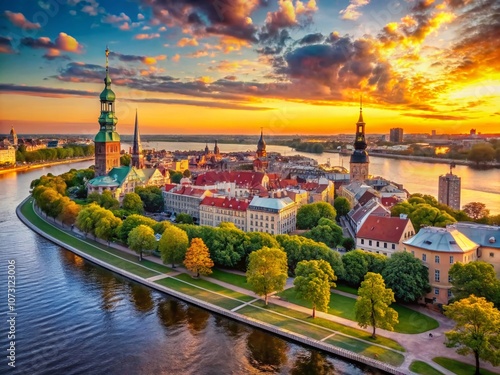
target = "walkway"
x: 418, y: 346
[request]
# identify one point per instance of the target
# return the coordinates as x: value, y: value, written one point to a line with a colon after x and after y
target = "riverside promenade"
x: 327, y: 332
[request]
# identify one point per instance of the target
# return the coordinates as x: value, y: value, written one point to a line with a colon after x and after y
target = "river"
x: 74, y: 317
x: 417, y: 177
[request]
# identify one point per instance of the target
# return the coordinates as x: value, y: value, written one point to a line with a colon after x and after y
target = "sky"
x: 236, y: 66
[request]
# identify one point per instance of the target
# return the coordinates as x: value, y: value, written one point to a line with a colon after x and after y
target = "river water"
x: 74, y: 317
x: 417, y: 177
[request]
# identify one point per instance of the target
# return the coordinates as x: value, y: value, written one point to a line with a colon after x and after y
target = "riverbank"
x: 27, y: 167
x: 292, y: 325
x: 280, y: 317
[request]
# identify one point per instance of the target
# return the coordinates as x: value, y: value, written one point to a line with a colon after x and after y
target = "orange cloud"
x: 176, y: 57
x: 19, y: 20
x: 146, y: 36
x: 67, y: 43
x: 187, y: 42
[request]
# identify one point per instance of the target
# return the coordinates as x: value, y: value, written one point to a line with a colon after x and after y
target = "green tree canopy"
x: 173, y: 245
x: 355, y: 267
x: 313, y: 281
x: 130, y: 223
x: 478, y: 278
x: 267, y: 271
x: 142, y: 240
x: 125, y: 160
x: 183, y: 219
x: 476, y: 210
x: 372, y: 306
x: 406, y: 276
x: 342, y: 206
x: 309, y: 215
x: 152, y: 198
x: 132, y: 203
x: 482, y: 153
x: 477, y: 329
x: 106, y: 225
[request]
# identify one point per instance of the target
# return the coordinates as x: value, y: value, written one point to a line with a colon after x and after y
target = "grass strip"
x: 204, y: 295
x: 410, y: 321
x: 460, y: 368
x: 423, y: 368
x: 325, y: 323
x: 230, y: 278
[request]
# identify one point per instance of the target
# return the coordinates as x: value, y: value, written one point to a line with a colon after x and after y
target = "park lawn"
x: 334, y: 326
x: 132, y: 266
x: 346, y: 289
x: 423, y: 368
x: 284, y: 322
x: 230, y: 278
x: 410, y: 321
x: 201, y: 294
x: 460, y: 368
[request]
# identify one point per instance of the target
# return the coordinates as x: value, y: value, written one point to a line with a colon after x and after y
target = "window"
x: 385, y: 245
x: 378, y: 243
x: 362, y: 241
x: 451, y: 259
x: 424, y: 257
x: 412, y: 253
x: 492, y: 255
x: 436, y: 291
x: 436, y: 259
x: 449, y: 293
x: 370, y: 242
x: 449, y: 278
x: 436, y: 275
x: 393, y: 246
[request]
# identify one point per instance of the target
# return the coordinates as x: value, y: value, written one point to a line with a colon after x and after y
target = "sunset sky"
x: 234, y: 66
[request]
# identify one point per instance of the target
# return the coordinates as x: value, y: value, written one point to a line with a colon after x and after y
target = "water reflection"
x: 197, y: 319
x: 315, y: 361
x: 141, y: 298
x: 266, y: 353
x: 171, y: 313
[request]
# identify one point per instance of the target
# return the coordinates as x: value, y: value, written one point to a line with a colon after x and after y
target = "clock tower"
x: 107, y: 140
x: 360, y: 161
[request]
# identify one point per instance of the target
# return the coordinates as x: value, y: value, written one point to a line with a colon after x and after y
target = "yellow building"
x: 7, y: 155
x: 439, y: 249
x: 272, y: 215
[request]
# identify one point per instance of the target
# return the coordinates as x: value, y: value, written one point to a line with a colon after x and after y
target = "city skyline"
x: 226, y: 67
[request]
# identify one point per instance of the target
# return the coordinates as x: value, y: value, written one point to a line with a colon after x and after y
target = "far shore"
x: 27, y: 167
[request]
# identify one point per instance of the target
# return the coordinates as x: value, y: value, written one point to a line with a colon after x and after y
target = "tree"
x: 326, y: 234
x: 355, y: 266
x: 186, y: 173
x: 198, y: 258
x: 477, y: 329
x: 184, y: 219
x: 106, y: 225
x: 307, y: 216
x: 175, y: 177
x: 406, y: 276
x: 267, y: 271
x: 69, y: 211
x: 482, y: 153
x: 348, y: 243
x: 125, y: 160
x: 476, y: 210
x: 132, y: 202
x: 313, y: 281
x: 342, y: 206
x: 426, y: 215
x: 142, y: 240
x: 173, y: 245
x: 130, y: 223
x: 152, y: 198
x: 372, y: 306
x: 478, y: 278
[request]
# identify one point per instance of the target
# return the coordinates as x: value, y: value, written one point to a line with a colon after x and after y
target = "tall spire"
x: 360, y: 109
x: 261, y: 145
x: 137, y: 157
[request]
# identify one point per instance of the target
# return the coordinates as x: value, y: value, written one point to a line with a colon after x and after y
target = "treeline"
x: 51, y: 154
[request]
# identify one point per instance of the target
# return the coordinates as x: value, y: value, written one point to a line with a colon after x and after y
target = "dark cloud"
x: 81, y: 72
x: 312, y: 39
x: 45, y: 91
x: 217, y: 17
x: 230, y: 78
x: 6, y: 45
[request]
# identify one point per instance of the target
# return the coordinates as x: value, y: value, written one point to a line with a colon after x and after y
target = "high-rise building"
x: 396, y: 135
x: 137, y: 156
x: 449, y: 189
x: 107, y: 140
x: 360, y: 161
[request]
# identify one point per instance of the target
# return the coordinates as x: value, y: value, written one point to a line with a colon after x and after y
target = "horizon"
x: 236, y: 66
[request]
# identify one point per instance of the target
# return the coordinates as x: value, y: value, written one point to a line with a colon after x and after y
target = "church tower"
x: 216, y: 149
x: 360, y: 161
x: 13, y: 137
x: 261, y: 146
x: 137, y: 156
x: 107, y: 140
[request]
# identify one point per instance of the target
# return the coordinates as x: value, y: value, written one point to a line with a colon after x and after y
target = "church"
x: 109, y: 174
x: 360, y: 161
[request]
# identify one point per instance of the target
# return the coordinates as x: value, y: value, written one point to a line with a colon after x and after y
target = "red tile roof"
x: 241, y: 178
x: 229, y: 203
x: 169, y: 187
x: 389, y: 201
x: 380, y: 228
x: 366, y: 197
x: 192, y: 192
x: 288, y: 182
